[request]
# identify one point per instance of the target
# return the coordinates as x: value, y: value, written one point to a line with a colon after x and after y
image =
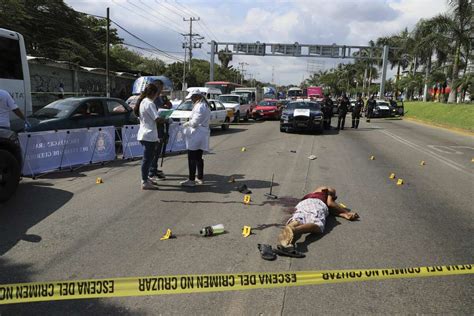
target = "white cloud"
x: 304, y: 21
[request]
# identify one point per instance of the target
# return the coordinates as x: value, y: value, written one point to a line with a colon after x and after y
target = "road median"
x: 459, y: 117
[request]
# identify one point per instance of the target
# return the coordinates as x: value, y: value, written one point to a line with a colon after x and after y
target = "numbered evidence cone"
x: 99, y: 181
x: 392, y: 176
x: 422, y: 163
x: 372, y: 157
x: 212, y: 230
x: 399, y: 182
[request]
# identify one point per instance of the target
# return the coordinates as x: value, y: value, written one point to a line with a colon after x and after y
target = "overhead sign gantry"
x: 302, y: 50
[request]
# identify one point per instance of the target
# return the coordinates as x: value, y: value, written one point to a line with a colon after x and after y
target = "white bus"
x: 14, y: 71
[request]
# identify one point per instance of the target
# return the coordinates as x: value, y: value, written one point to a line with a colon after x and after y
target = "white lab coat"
x: 196, y: 130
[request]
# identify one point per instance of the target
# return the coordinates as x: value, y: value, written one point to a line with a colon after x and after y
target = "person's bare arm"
x: 19, y: 113
x: 337, y: 210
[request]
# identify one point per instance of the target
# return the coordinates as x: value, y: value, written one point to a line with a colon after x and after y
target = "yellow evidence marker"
x: 231, y: 179
x: 392, y: 176
x: 167, y: 235
x: 244, y: 149
x: 372, y: 157
x: 422, y: 163
x: 247, y: 199
x: 400, y: 182
x: 99, y: 181
x: 246, y: 231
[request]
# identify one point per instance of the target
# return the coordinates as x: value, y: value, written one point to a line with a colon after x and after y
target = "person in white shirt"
x: 7, y: 104
x: 147, y: 134
x: 197, y: 133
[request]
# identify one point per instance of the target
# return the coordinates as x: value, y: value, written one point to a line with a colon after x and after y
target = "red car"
x: 266, y: 109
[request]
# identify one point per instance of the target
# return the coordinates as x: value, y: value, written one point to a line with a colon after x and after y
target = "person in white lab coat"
x: 197, y: 133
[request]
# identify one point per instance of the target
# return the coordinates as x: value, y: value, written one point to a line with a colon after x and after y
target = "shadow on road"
x: 331, y: 222
x: 32, y: 203
x: 213, y: 183
x: 231, y: 130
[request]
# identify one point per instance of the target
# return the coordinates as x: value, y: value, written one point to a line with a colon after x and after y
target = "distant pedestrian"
x: 7, y: 105
x: 342, y: 111
x: 197, y: 133
x: 359, y: 105
x: 148, y: 132
x: 327, y: 111
x: 370, y: 107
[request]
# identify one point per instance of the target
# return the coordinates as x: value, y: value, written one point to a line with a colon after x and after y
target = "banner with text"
x: 52, y: 150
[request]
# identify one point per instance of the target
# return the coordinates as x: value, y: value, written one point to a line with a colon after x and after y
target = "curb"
x: 441, y: 126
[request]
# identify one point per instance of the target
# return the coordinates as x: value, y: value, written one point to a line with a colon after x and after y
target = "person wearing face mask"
x: 197, y: 133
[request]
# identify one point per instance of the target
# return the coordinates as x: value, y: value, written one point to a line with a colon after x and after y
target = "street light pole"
x: 107, y: 54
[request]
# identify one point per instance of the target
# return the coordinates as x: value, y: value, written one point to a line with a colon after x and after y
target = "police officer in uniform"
x: 370, y: 107
x: 327, y: 111
x: 343, y: 108
x: 359, y: 104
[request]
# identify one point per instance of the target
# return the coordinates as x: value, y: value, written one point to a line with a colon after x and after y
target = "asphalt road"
x: 63, y: 226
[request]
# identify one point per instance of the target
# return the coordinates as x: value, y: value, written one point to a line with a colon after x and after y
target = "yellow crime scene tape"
x: 180, y: 284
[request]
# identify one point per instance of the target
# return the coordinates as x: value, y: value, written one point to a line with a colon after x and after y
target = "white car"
x: 238, y: 104
x: 220, y: 116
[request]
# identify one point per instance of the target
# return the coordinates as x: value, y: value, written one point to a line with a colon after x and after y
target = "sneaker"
x: 199, y: 181
x: 161, y: 175
x: 155, y: 179
x: 148, y: 186
x: 188, y: 183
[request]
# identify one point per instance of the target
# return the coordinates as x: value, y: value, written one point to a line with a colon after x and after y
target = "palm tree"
x: 460, y: 31
x: 224, y: 57
x: 429, y: 38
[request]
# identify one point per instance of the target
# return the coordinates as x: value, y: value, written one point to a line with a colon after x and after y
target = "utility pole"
x: 242, y: 65
x: 273, y: 74
x: 107, y: 53
x: 183, y: 88
x: 191, y: 35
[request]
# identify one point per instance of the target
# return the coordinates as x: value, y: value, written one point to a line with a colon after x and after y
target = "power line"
x: 141, y: 15
x: 148, y: 49
x: 190, y: 12
x: 174, y: 23
x: 141, y: 40
x: 171, y: 9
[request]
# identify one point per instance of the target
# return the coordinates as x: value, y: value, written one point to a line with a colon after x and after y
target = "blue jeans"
x: 154, y: 170
x: 149, y: 154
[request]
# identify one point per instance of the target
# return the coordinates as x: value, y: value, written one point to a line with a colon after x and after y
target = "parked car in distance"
x: 237, y: 103
x: 220, y: 116
x: 82, y: 112
x: 10, y: 163
x: 382, y: 109
x: 266, y: 109
x: 302, y: 116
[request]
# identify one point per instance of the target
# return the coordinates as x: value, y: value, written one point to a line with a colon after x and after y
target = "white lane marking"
x: 445, y: 149
x: 442, y: 159
x: 467, y: 147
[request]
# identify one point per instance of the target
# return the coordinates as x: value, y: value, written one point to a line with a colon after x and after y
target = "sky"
x: 160, y: 23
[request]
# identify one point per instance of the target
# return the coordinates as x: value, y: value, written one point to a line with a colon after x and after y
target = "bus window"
x: 10, y: 59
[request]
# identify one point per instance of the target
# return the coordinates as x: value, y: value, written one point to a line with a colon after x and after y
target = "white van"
x: 209, y: 93
x: 14, y: 71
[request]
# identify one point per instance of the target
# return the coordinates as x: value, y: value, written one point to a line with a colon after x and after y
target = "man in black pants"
x: 327, y: 111
x: 356, y: 111
x: 370, y: 107
x: 343, y: 108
